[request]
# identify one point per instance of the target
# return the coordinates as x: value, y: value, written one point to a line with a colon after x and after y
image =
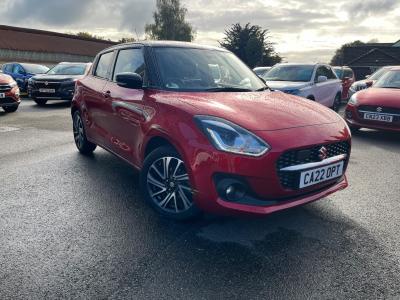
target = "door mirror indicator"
x: 129, y: 80
x: 322, y: 79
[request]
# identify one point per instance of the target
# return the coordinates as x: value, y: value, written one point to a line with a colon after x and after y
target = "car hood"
x: 47, y: 77
x: 254, y: 111
x: 286, y: 85
x: 379, y: 96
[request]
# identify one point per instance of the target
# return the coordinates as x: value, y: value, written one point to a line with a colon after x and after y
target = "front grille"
x: 50, y: 85
x: 5, y: 88
x: 290, y: 158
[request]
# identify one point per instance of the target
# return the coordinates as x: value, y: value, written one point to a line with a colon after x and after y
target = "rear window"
x: 103, y: 66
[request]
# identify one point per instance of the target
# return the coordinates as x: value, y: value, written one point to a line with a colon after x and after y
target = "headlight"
x: 13, y: 84
x: 353, y: 100
x: 228, y: 137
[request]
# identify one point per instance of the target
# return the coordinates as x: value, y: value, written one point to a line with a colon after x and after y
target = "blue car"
x: 21, y: 72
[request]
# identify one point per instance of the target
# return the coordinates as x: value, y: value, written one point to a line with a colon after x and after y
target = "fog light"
x: 235, y: 192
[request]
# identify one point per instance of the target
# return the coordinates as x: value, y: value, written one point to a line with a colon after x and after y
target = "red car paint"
x: 126, y: 121
x: 376, y: 100
x: 11, y: 92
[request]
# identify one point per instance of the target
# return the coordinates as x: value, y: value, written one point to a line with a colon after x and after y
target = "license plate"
x: 315, y: 176
x: 47, y: 91
x: 378, y: 117
x: 2, y: 95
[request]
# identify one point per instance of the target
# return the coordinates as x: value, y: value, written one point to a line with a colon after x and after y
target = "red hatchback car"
x: 377, y: 107
x: 9, y: 93
x: 203, y: 140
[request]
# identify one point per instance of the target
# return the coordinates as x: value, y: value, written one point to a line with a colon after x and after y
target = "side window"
x: 348, y: 73
x: 17, y: 69
x: 320, y: 72
x: 329, y: 73
x: 130, y: 60
x: 103, y: 65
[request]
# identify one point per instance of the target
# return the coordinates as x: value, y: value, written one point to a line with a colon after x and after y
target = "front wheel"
x: 10, y: 109
x: 166, y: 186
x: 81, y: 142
x: 40, y: 102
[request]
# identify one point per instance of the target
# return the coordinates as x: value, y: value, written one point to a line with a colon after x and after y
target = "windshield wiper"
x: 229, y: 89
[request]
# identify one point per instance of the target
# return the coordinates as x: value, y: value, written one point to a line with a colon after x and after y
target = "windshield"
x: 391, y: 79
x: 68, y: 69
x: 290, y: 73
x: 339, y: 72
x: 378, y: 74
x: 187, y: 69
x: 35, y: 69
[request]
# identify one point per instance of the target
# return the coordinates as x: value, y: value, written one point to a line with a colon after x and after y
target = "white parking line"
x: 8, y: 129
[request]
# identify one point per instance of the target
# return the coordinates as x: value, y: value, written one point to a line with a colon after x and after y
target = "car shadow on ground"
x: 375, y: 137
x: 59, y: 104
x: 313, y: 251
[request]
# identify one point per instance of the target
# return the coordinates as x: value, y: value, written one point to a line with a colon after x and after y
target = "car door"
x: 19, y: 75
x: 126, y: 105
x: 95, y: 107
x: 321, y: 89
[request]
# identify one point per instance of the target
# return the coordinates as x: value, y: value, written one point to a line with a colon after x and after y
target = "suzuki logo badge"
x: 323, y: 153
x: 379, y: 109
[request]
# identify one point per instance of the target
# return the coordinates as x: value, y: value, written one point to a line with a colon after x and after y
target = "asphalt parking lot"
x: 77, y: 227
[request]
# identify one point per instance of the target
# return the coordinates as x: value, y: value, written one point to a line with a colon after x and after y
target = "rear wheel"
x: 337, y: 102
x: 166, y: 186
x: 81, y: 142
x: 40, y: 102
x: 10, y: 109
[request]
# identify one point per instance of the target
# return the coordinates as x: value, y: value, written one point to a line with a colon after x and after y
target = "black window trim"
x: 118, y: 50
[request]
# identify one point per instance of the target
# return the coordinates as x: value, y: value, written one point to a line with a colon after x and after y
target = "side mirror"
x: 322, y: 79
x: 369, y: 83
x: 129, y: 80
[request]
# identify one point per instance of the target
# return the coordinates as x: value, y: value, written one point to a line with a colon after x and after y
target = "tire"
x: 10, y: 109
x: 84, y: 146
x: 40, y: 102
x: 168, y: 192
x: 336, y: 103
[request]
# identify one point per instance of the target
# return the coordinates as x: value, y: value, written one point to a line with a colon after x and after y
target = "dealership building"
x: 367, y: 58
x: 46, y: 47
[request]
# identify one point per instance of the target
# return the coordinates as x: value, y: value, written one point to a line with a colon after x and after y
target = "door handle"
x: 107, y: 94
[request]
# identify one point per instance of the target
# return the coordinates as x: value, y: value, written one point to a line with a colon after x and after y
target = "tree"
x: 251, y: 44
x: 169, y: 22
x: 88, y: 35
x: 126, y: 40
x: 338, y: 58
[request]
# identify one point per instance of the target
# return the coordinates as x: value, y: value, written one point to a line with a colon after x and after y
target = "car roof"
x: 169, y: 44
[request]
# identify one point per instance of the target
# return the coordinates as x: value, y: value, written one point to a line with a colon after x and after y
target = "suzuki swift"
x: 206, y: 133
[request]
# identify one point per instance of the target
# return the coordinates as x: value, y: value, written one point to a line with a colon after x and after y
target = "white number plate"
x: 315, y: 176
x: 2, y: 95
x: 47, y: 91
x: 378, y: 117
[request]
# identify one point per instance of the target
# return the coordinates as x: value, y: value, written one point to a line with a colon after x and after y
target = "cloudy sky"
x: 303, y: 30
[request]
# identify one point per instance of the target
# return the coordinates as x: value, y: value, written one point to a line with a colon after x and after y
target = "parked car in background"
x: 377, y: 107
x: 9, y: 93
x: 21, y: 72
x: 58, y: 83
x: 261, y: 71
x: 227, y: 145
x: 316, y: 82
x: 346, y: 75
x: 369, y: 80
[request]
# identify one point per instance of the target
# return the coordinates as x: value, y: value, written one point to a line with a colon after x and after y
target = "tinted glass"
x: 103, y: 66
x: 35, y: 69
x: 68, y: 69
x: 390, y: 79
x: 290, y: 73
x: 339, y: 72
x: 348, y: 73
x: 204, y: 69
x: 130, y: 60
x: 325, y: 71
x: 17, y: 69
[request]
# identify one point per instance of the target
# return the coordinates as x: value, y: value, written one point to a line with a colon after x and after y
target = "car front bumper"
x: 61, y: 93
x: 11, y: 98
x: 264, y: 190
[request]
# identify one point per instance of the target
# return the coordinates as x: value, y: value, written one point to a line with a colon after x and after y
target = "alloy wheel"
x: 79, y: 134
x: 169, y: 186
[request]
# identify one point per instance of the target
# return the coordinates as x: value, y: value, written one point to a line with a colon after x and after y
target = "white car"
x: 316, y: 82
